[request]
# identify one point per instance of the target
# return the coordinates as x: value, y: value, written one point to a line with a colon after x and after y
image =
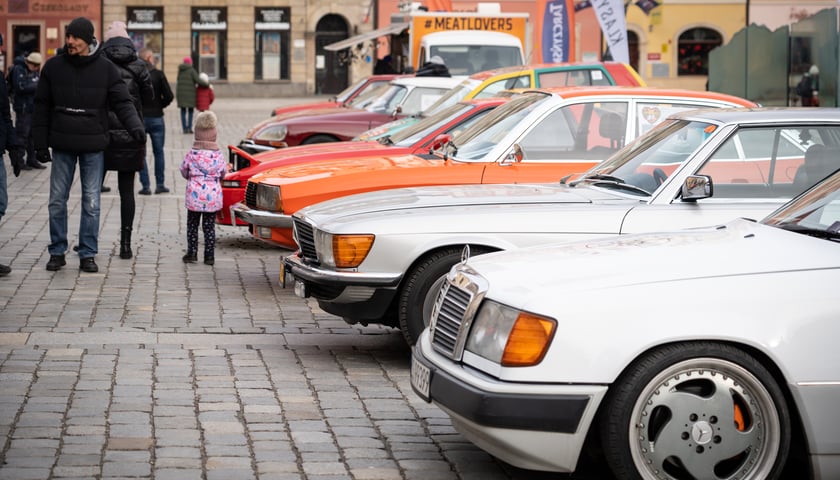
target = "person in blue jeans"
x: 76, y: 90
x: 155, y: 126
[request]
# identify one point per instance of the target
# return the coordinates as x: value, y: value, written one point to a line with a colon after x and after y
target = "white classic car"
x: 376, y: 257
x: 707, y: 354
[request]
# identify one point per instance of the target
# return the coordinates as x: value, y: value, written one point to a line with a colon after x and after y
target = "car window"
x: 419, y: 99
x: 477, y: 141
x: 761, y: 162
x: 579, y: 131
x: 650, y: 113
x: 818, y: 209
x: 495, y: 87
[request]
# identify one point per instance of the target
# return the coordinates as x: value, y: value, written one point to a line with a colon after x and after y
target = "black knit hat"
x: 81, y: 28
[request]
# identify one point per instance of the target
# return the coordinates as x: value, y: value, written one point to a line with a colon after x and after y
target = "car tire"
x: 665, y: 417
x: 318, y: 139
x: 420, y: 287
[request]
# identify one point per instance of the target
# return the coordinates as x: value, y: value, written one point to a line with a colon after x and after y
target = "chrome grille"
x: 448, y: 317
x: 251, y: 195
x: 455, y: 308
x: 305, y: 237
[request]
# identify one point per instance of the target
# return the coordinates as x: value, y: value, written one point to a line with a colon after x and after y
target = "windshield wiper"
x: 385, y: 140
x: 602, y: 179
x: 810, y: 231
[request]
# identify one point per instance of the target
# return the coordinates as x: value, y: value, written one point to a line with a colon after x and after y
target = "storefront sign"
x: 272, y: 18
x: 207, y: 18
x: 145, y: 18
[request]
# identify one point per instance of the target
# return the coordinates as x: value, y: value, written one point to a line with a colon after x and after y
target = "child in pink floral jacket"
x: 203, y: 167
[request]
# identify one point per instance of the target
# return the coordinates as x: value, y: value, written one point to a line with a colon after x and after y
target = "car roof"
x: 540, y: 66
x: 575, y: 92
x: 763, y: 115
x: 446, y: 82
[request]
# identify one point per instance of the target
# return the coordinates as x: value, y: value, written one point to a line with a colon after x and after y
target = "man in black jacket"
x: 75, y: 92
x: 155, y: 126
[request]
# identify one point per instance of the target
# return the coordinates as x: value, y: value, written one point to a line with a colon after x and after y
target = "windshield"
x: 817, y: 210
x: 477, y: 141
x: 389, y: 99
x: 364, y: 99
x: 648, y: 161
x: 345, y: 94
x: 420, y: 130
x: 469, y: 59
x: 452, y: 97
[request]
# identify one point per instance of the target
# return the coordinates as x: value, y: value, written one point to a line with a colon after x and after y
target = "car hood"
x: 377, y: 203
x: 303, y: 113
x: 590, y: 269
x: 313, y: 153
x: 343, y: 166
x: 317, y: 149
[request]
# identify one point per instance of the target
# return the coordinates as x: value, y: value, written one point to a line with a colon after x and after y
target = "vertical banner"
x: 610, y: 15
x: 556, y: 32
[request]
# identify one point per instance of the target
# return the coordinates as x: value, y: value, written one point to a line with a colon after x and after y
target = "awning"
x: 349, y: 42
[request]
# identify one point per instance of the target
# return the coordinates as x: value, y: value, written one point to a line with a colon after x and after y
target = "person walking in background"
x: 188, y: 79
x: 76, y: 90
x: 204, y: 166
x: 808, y: 87
x: 7, y: 143
x: 126, y: 154
x: 204, y: 95
x: 155, y: 125
x: 25, y: 75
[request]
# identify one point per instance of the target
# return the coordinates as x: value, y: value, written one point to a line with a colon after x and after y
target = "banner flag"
x: 556, y: 30
x: 610, y: 15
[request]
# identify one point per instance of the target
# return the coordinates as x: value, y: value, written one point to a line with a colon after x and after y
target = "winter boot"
x: 125, y: 242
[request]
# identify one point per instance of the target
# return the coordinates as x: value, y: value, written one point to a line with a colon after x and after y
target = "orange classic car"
x: 539, y: 136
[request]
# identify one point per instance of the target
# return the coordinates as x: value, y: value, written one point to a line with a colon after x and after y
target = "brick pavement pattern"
x: 157, y: 369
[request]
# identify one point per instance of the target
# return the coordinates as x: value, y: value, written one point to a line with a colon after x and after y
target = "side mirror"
x: 397, y: 111
x: 440, y: 141
x: 697, y: 187
x: 515, y: 155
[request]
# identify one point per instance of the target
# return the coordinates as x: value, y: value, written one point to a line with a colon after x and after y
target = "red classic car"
x: 417, y: 139
x: 403, y: 97
x: 347, y: 96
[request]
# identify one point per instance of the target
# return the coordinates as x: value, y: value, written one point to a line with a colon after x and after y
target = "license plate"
x: 420, y: 378
x: 300, y: 289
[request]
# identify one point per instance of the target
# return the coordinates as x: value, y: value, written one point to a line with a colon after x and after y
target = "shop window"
x: 271, y: 43
x: 209, y: 36
x: 694, y: 48
x: 145, y: 28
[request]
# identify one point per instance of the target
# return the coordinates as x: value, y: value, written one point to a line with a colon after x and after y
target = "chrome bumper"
x: 261, y: 218
x: 295, y: 266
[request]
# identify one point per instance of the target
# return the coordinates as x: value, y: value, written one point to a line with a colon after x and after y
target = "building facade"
x: 274, y: 49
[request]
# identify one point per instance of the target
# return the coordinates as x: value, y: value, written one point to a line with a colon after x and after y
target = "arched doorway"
x: 330, y: 70
x: 694, y: 47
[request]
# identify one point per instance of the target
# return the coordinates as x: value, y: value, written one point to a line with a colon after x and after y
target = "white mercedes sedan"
x: 702, y: 354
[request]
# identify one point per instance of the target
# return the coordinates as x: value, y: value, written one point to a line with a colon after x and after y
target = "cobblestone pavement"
x: 156, y: 369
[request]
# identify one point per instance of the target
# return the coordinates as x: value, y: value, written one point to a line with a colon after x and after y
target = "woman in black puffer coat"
x: 124, y: 154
